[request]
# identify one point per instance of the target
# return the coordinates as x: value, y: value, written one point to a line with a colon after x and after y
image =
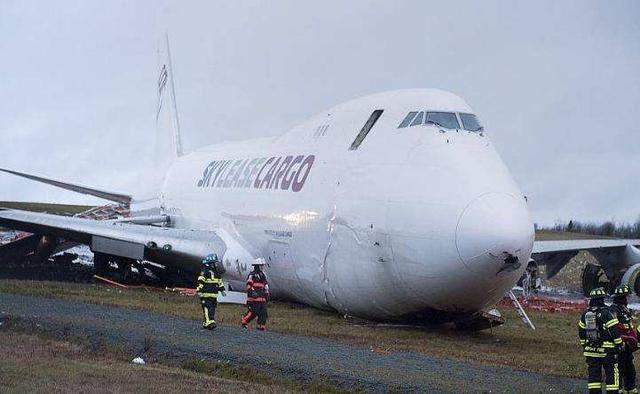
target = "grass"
x: 548, y: 235
x: 34, y: 363
x: 551, y: 349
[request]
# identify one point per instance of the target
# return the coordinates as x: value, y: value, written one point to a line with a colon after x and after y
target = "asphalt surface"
x: 297, y: 357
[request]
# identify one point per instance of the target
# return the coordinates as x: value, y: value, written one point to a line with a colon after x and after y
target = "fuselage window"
x: 366, y: 128
x: 447, y: 120
x: 408, y: 119
x: 418, y: 120
x: 470, y: 122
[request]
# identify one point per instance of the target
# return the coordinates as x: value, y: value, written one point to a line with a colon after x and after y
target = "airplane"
x: 395, y: 206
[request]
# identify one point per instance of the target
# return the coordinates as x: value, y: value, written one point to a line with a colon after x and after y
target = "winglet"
x: 116, y: 197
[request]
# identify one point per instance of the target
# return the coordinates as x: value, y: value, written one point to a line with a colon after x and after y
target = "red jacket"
x: 257, y: 287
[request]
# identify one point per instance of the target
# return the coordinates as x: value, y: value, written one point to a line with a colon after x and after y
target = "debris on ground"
x: 546, y: 304
x: 138, y: 360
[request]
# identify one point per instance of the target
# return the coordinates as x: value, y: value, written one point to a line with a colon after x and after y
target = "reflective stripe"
x: 582, y: 341
x: 611, y: 323
x: 616, y: 378
x: 617, y: 340
x: 209, y: 280
x: 591, y: 354
x: 594, y: 385
x: 581, y: 324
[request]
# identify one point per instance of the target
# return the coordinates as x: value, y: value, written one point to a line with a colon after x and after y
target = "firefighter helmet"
x: 622, y: 290
x: 597, y: 293
x: 259, y: 261
x: 210, y: 259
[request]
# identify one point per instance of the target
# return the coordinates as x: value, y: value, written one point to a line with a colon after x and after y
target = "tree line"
x: 608, y: 228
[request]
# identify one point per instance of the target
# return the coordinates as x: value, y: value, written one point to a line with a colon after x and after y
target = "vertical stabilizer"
x: 168, y: 143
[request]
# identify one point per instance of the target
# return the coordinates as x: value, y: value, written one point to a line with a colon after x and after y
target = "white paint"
x: 415, y: 219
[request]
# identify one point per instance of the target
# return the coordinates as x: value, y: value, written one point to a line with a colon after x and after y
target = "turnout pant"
x: 209, y: 311
x: 595, y: 366
x: 627, y: 371
x: 256, y: 309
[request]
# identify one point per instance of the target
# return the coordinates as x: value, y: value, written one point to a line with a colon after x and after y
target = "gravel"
x: 297, y: 357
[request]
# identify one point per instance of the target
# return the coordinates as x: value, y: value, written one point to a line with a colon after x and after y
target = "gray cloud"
x: 556, y: 84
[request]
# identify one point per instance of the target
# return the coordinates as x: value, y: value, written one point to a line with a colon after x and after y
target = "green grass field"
x: 547, y: 235
x: 552, y: 348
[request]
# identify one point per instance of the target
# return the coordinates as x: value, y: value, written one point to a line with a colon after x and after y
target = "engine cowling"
x: 632, y: 278
x: 594, y: 276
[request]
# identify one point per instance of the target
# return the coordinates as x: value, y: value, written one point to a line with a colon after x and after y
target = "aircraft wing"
x: 613, y: 254
x: 163, y: 245
x: 107, y: 195
x: 541, y: 247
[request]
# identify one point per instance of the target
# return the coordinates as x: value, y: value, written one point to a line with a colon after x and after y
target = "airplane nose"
x: 495, y: 234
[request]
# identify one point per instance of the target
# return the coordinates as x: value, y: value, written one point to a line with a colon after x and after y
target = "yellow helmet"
x: 622, y: 290
x: 597, y: 293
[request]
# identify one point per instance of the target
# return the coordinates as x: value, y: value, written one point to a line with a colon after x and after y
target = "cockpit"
x: 447, y: 120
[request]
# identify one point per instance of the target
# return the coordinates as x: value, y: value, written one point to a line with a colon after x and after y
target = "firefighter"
x: 209, y: 285
x: 257, y: 296
x: 601, y: 343
x: 629, y: 339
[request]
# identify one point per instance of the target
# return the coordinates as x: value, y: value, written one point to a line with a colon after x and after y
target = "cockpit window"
x: 470, y: 122
x: 408, y: 119
x: 418, y: 119
x: 447, y: 120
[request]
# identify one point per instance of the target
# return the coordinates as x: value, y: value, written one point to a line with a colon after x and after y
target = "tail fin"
x: 168, y: 142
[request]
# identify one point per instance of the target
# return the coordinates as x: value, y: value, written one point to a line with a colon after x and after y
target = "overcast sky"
x: 556, y: 84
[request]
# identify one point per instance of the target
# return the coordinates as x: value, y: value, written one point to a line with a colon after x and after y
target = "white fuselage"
x: 416, y: 219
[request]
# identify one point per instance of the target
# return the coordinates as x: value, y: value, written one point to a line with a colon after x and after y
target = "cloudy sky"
x: 557, y: 84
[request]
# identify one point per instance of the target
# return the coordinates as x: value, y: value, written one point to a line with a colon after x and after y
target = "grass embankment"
x: 551, y: 349
x: 36, y: 363
x: 548, y: 235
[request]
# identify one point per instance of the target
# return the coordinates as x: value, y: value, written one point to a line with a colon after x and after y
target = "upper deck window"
x: 375, y: 115
x: 470, y: 122
x: 447, y: 120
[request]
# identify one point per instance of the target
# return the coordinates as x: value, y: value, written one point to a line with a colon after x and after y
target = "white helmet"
x: 259, y: 261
